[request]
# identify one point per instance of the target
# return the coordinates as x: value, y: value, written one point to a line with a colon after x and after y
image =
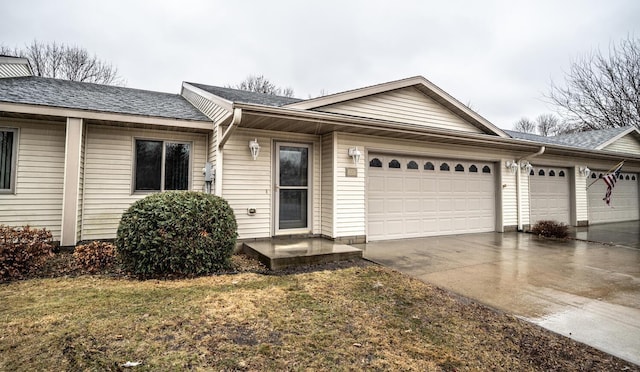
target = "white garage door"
x: 624, y: 199
x: 550, y: 194
x: 411, y: 197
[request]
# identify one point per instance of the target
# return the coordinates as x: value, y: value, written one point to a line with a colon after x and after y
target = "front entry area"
x: 292, y: 193
x: 409, y: 196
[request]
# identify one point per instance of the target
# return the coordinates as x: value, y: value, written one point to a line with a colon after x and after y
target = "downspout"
x: 519, y: 186
x: 222, y: 140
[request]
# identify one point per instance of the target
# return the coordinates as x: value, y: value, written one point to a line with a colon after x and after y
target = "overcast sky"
x: 497, y: 56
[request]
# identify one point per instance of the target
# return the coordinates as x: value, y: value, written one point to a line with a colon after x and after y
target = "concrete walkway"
x: 587, y: 291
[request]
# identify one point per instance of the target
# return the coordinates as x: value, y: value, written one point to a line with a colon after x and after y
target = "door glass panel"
x: 293, y: 166
x: 293, y: 209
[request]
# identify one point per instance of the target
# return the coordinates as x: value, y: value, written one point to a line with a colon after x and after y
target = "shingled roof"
x: 591, y: 140
x: 96, y: 97
x: 243, y: 96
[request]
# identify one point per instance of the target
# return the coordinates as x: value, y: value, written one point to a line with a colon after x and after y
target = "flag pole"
x: 607, y: 172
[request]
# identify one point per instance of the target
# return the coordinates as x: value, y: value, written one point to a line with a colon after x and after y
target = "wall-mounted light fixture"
x: 512, y: 166
x: 584, y: 171
x: 526, y: 166
x: 355, y: 155
x: 254, y: 147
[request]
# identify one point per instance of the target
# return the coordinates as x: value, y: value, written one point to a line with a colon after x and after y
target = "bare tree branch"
x: 61, y: 61
x: 525, y: 125
x: 602, y: 91
x: 260, y: 84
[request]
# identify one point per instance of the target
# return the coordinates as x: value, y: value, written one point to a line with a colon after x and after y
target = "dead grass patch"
x: 355, y: 316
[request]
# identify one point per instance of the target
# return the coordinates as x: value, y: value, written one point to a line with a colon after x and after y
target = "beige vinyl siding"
x: 327, y: 181
x: 249, y: 183
x: 212, y: 147
x: 509, y: 196
x: 37, y: 200
x: 627, y: 144
x: 81, y: 182
x: 214, y: 112
x: 108, y: 174
x: 581, y: 198
x: 350, y: 193
x: 406, y: 105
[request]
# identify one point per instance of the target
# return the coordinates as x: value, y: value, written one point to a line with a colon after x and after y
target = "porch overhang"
x: 320, y: 123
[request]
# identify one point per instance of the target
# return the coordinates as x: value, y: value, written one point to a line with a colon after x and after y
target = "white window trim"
x: 14, y: 160
x: 162, y: 166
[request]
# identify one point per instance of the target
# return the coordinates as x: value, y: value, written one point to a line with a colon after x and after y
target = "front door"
x: 292, y: 188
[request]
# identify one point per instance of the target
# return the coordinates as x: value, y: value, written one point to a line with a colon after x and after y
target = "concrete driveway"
x: 587, y: 291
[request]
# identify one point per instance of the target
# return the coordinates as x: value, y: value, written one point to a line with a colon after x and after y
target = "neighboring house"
x: 396, y: 160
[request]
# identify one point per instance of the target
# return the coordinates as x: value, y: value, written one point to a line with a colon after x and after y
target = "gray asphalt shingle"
x: 585, y: 140
x: 96, y: 97
x: 243, y: 96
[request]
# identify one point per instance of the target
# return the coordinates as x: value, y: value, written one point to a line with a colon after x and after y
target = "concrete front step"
x: 281, y: 253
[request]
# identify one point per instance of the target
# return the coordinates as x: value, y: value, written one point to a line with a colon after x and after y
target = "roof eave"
x: 222, y: 102
x: 508, y: 142
x: 26, y: 108
x: 617, y: 137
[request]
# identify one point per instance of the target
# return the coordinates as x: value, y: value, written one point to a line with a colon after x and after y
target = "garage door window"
x: 429, y: 166
x: 486, y: 169
x: 541, y: 172
x: 473, y: 169
x: 444, y: 167
x: 375, y: 163
x: 561, y: 174
x: 552, y: 173
x: 394, y: 164
x: 459, y: 168
x: 412, y: 165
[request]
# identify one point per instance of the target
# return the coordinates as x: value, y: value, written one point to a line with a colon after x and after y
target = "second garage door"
x: 550, y: 194
x: 411, y: 197
x: 624, y: 199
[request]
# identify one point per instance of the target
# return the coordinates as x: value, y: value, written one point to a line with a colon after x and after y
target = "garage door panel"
x: 550, y: 195
x: 624, y: 200
x: 429, y: 202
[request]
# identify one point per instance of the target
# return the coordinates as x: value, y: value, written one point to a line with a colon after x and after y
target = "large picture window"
x: 8, y: 144
x: 161, y: 165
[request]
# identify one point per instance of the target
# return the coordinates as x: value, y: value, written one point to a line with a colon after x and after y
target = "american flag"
x: 610, y: 180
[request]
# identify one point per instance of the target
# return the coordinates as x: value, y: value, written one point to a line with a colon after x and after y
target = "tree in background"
x: 260, y: 84
x: 66, y: 62
x: 548, y: 125
x: 544, y: 125
x: 525, y: 125
x: 602, y: 91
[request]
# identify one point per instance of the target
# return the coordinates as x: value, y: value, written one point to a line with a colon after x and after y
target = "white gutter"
x: 237, y: 118
x: 518, y: 185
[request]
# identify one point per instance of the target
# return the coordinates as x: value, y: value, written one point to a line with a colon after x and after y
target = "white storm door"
x: 292, y: 193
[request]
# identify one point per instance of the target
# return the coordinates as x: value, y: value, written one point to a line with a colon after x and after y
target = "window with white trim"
x: 8, y: 154
x: 161, y: 165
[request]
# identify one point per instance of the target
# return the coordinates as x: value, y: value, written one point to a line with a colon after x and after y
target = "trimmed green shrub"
x: 95, y: 256
x: 551, y: 229
x: 23, y: 250
x: 177, y: 232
